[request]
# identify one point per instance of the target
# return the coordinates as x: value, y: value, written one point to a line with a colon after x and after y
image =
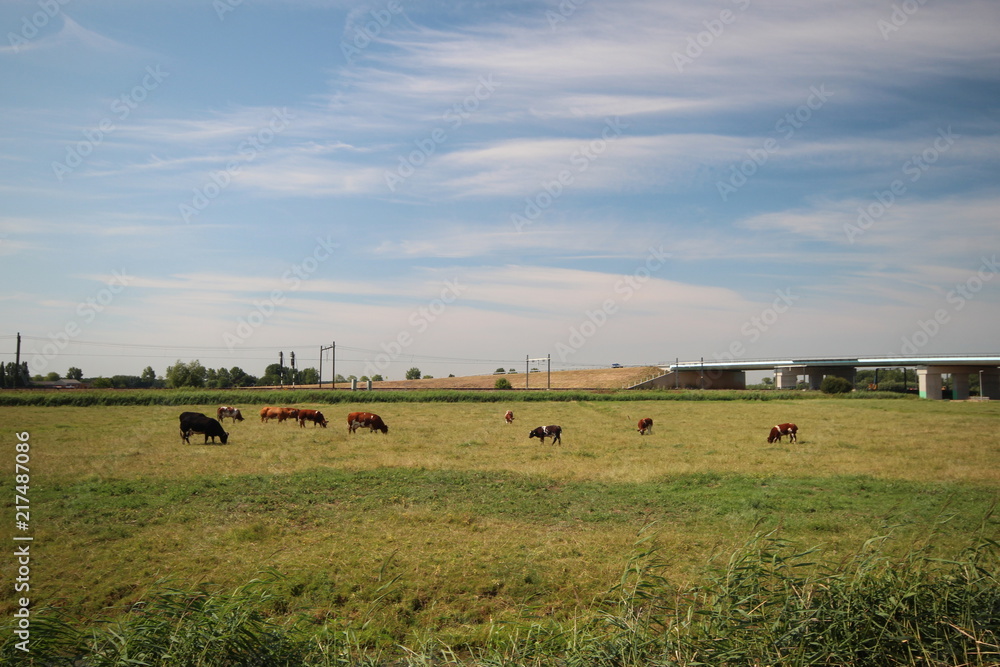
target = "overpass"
x: 731, y: 374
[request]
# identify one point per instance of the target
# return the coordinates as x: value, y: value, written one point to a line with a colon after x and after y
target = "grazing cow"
x: 372, y: 421
x: 315, y: 416
x: 645, y: 425
x: 509, y: 417
x: 783, y: 429
x: 281, y: 414
x: 228, y: 411
x: 555, y: 432
x: 195, y: 422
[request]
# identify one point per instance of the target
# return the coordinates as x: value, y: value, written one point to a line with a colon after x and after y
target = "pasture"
x: 455, y: 527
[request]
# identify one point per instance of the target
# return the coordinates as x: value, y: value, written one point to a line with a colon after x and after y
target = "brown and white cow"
x: 228, y: 411
x: 791, y: 430
x: 315, y: 416
x: 645, y: 425
x: 367, y: 420
x: 553, y: 431
x: 509, y: 417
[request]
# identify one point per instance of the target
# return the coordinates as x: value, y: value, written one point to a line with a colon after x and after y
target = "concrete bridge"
x: 930, y: 369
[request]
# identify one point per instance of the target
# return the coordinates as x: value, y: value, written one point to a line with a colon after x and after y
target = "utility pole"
x: 333, y: 354
x: 292, y: 364
x: 281, y: 369
x: 17, y: 362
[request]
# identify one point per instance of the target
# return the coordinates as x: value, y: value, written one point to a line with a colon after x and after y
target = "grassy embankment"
x: 455, y: 530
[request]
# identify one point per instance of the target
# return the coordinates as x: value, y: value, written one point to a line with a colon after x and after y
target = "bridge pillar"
x: 990, y: 385
x: 960, y: 386
x: 817, y: 373
x: 929, y: 382
x: 786, y: 378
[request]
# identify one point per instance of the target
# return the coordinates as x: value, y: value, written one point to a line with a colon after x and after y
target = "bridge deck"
x: 834, y: 362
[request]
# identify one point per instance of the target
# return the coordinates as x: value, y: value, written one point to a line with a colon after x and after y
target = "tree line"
x: 181, y: 374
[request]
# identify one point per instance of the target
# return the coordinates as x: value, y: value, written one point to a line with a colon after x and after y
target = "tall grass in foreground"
x: 214, y: 397
x: 769, y: 603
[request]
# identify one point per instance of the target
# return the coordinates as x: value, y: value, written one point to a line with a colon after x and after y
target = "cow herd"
x: 196, y: 422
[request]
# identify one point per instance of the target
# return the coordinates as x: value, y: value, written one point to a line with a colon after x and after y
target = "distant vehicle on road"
x: 617, y: 366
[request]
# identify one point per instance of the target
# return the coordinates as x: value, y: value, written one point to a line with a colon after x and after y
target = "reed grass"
x: 769, y: 602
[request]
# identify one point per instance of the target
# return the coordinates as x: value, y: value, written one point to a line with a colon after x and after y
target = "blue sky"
x: 457, y: 186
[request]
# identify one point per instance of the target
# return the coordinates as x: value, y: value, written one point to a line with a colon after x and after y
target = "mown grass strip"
x: 813, y: 504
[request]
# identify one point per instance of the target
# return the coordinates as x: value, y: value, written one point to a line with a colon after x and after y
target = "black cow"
x: 195, y: 422
x: 555, y: 432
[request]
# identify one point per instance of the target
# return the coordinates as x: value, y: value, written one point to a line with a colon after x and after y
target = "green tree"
x: 126, y: 381
x: 74, y: 373
x: 52, y: 377
x: 502, y: 383
x: 241, y: 378
x: 17, y: 377
x: 191, y: 374
x: 832, y: 384
x: 377, y: 377
x: 148, y: 377
x: 413, y: 374
x: 101, y: 383
x: 275, y: 374
x: 223, y: 379
x: 308, y: 376
x: 499, y: 371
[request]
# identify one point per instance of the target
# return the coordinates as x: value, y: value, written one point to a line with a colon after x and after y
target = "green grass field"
x: 455, y: 524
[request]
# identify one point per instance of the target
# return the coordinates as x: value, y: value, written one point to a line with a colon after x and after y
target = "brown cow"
x: 555, y: 432
x: 372, y: 421
x: 509, y: 417
x: 791, y: 430
x: 645, y: 425
x: 281, y: 414
x: 315, y: 416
